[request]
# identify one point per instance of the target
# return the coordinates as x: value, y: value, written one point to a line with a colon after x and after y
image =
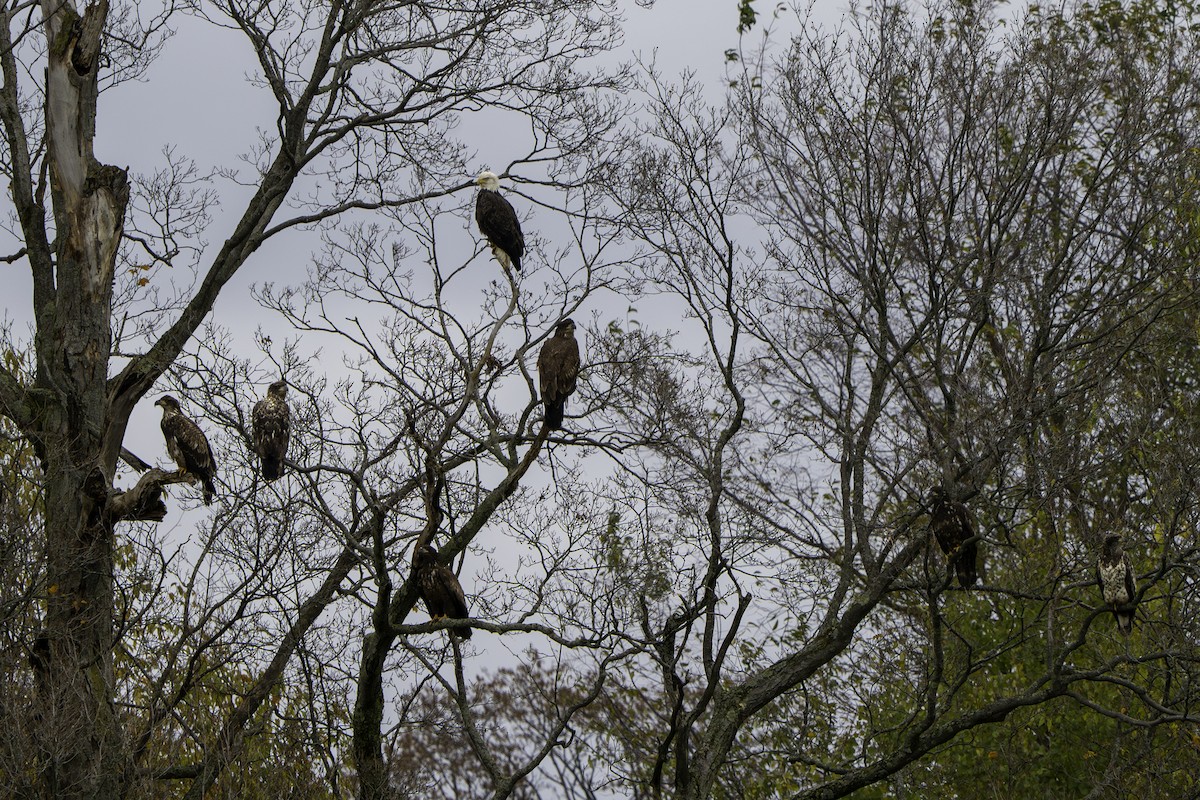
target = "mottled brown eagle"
x: 1117, y: 583
x: 498, y: 222
x: 951, y: 525
x: 272, y: 424
x: 188, y: 446
x: 558, y: 369
x: 439, y: 588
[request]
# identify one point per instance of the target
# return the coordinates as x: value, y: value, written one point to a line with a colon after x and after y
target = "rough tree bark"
x: 72, y: 413
x: 73, y: 309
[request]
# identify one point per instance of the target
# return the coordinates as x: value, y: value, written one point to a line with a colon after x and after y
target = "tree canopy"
x: 938, y: 249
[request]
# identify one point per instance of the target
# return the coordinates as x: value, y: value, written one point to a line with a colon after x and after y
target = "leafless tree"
x: 366, y: 97
x: 921, y: 251
x: 924, y: 250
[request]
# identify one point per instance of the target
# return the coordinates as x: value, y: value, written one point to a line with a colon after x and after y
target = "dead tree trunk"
x: 78, y: 734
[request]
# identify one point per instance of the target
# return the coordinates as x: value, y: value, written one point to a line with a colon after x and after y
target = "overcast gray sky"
x: 196, y: 99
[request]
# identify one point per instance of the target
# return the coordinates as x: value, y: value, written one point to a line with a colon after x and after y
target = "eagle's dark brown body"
x: 558, y: 370
x: 1118, y: 586
x: 188, y: 446
x: 951, y: 525
x: 439, y: 588
x: 272, y: 423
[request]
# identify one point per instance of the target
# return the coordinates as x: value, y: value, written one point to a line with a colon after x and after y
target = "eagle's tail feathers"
x: 554, y: 414
x: 272, y: 468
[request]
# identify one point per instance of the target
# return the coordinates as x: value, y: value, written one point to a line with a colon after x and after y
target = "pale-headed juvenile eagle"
x: 188, y: 446
x: 272, y: 425
x: 439, y: 588
x: 498, y: 222
x: 1117, y: 583
x: 951, y: 525
x: 558, y: 369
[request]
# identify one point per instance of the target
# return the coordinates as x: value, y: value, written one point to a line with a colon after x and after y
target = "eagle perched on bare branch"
x: 272, y: 424
x: 439, y: 588
x: 1118, y: 586
x: 558, y: 369
x: 951, y: 525
x: 188, y: 446
x: 498, y: 222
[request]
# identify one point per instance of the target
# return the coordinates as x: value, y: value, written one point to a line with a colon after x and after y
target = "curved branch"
x: 144, y: 500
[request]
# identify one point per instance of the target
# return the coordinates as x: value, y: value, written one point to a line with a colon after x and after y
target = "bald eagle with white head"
x: 188, y: 446
x: 498, y: 222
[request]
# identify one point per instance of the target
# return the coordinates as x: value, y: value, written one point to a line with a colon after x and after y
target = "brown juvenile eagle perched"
x: 272, y: 424
x: 951, y: 525
x: 188, y: 446
x: 558, y: 368
x: 439, y: 588
x: 1117, y: 584
x: 498, y: 222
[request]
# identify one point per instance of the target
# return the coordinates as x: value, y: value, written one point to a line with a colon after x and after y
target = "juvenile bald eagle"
x: 558, y: 368
x: 439, y: 588
x: 1117, y: 584
x: 951, y: 525
x: 272, y: 423
x: 188, y: 446
x: 498, y: 222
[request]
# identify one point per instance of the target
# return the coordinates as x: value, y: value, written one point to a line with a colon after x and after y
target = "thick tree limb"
x: 30, y: 211
x: 130, y: 458
x: 736, y: 705
x: 144, y: 500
